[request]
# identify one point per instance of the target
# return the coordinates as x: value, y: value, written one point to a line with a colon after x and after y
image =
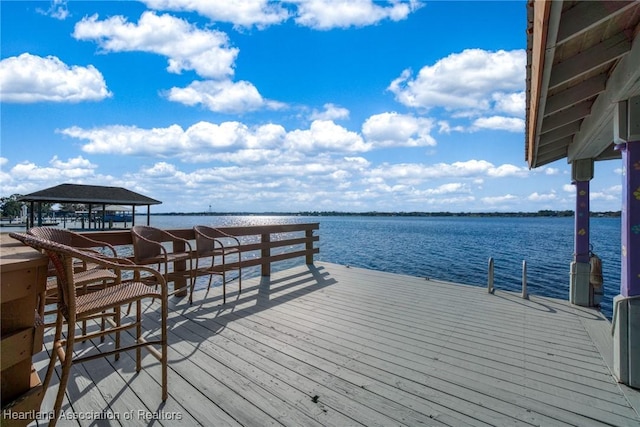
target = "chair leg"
x: 165, y: 360
x: 224, y: 290
x: 193, y: 282
x: 54, y: 352
x: 66, y: 372
x: 84, y: 329
x: 118, y: 321
x: 139, y: 335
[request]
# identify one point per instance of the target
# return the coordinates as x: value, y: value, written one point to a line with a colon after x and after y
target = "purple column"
x: 630, y: 276
x: 581, y: 243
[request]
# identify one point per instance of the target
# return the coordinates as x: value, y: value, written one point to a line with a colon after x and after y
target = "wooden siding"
x: 333, y: 345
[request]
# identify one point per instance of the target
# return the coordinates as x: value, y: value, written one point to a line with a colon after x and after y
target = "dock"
x: 333, y: 345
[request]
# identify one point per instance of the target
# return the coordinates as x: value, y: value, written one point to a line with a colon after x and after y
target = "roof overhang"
x: 583, y: 57
x: 89, y: 194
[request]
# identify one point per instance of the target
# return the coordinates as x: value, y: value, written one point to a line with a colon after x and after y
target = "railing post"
x: 490, y: 278
x: 309, y: 246
x: 180, y: 283
x: 265, y: 254
x: 525, y: 294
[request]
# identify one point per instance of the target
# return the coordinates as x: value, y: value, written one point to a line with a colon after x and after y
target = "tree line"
x: 11, y: 207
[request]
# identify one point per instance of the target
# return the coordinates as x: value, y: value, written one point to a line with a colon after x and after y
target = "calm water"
x: 452, y: 249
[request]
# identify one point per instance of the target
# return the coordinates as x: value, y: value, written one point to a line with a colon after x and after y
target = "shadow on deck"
x: 332, y: 345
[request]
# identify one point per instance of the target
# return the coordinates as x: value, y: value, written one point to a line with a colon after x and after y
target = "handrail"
x: 269, y: 237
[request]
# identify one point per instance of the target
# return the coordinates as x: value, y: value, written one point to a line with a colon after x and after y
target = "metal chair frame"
x: 150, y: 248
x: 210, y: 243
x: 107, y: 302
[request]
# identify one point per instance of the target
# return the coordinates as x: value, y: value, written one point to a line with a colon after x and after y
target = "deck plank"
x: 333, y: 345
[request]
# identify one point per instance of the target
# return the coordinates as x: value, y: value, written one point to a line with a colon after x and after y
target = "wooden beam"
x: 596, y: 133
x: 575, y: 94
x: 586, y: 15
x: 558, y: 152
x: 610, y: 153
x: 564, y: 117
x: 589, y: 59
x: 557, y: 134
x: 556, y: 144
x: 539, y: 72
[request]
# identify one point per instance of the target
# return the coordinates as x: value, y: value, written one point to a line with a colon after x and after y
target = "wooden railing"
x: 262, y: 239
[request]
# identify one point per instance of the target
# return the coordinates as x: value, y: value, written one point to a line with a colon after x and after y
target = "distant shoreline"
x: 542, y: 213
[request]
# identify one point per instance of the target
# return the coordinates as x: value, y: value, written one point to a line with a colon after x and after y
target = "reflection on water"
x: 454, y: 249
x: 186, y: 221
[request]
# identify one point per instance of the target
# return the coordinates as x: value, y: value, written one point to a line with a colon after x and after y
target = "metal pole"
x: 490, y: 278
x: 525, y: 294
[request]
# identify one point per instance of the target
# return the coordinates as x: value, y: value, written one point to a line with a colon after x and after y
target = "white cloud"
x: 76, y: 168
x: 74, y: 163
x: 207, y: 52
x: 473, y: 80
x: 507, y: 170
x: 445, y: 127
x: 537, y: 197
x: 222, y: 96
x: 316, y: 14
x: 200, y: 142
x: 129, y: 140
x: 550, y: 171
x: 498, y: 200
x: 57, y: 10
x: 325, y: 135
x: 511, y: 103
x: 29, y: 78
x: 452, y: 187
x: 205, y: 141
x: 467, y: 169
x: 160, y: 170
x: 242, y: 13
x: 331, y: 112
x: 398, y: 130
x: 328, y: 14
x: 510, y: 124
x: 612, y: 193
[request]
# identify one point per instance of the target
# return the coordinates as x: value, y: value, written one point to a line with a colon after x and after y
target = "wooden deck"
x: 339, y: 346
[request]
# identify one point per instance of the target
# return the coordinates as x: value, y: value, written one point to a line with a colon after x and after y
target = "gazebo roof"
x: 583, y: 57
x: 89, y: 194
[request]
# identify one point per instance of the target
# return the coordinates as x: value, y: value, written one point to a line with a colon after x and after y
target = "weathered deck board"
x: 332, y: 345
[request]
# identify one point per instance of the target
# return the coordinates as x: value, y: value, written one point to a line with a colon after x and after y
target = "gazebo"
x: 583, y: 104
x: 91, y: 195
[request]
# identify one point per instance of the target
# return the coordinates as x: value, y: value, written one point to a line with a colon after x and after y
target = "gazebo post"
x: 31, y: 219
x: 39, y: 214
x: 582, y: 173
x: 626, y: 306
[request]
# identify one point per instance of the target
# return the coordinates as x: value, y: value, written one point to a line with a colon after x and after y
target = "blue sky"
x: 256, y: 106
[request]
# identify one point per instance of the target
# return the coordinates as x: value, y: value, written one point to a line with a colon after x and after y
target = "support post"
x: 308, y: 234
x: 582, y: 173
x: 490, y: 278
x: 626, y: 312
x: 180, y: 268
x: 265, y: 254
x: 525, y: 292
